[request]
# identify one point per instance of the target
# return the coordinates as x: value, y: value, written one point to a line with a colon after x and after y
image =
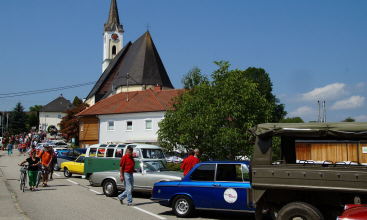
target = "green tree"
x: 194, y: 78
x: 33, y: 116
x: 77, y: 101
x: 17, y: 120
x: 216, y: 116
x: 265, y: 86
x: 292, y: 120
x: 69, y: 125
x: 349, y: 119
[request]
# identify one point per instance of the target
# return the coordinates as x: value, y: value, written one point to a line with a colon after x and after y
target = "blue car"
x: 213, y: 185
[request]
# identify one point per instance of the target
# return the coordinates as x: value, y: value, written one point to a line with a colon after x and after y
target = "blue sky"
x: 312, y: 49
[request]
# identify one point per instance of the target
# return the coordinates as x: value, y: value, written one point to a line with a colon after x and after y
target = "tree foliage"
x: 292, y: 120
x: 33, y: 116
x: 69, y: 125
x: 216, y: 115
x: 17, y: 120
x: 194, y: 78
x: 349, y: 119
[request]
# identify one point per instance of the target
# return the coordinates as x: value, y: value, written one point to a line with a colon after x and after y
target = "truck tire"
x: 299, y: 211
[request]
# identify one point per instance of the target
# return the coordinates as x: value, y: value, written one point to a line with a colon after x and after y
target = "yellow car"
x: 76, y: 167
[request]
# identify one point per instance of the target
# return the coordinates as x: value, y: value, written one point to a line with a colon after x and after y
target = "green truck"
x: 300, y: 187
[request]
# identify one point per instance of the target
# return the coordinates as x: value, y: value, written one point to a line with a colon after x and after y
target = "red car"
x: 354, y: 212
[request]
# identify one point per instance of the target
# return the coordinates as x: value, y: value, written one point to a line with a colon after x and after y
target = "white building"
x: 53, y: 112
x: 129, y: 116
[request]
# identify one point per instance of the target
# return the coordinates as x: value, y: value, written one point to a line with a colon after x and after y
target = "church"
x: 133, y: 93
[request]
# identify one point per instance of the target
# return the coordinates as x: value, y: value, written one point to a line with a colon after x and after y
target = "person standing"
x: 46, y: 159
x: 33, y: 162
x: 10, y: 146
x: 189, y: 162
x: 127, y: 165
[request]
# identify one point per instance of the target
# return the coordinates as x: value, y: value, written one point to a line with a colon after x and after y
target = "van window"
x: 152, y: 153
x: 101, y: 152
x: 103, y: 145
x: 119, y: 152
x: 92, y: 152
x: 112, y: 145
x: 109, y: 152
x: 121, y: 145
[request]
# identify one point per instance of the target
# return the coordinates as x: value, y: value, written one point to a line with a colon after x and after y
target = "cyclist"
x: 33, y: 162
x: 46, y: 159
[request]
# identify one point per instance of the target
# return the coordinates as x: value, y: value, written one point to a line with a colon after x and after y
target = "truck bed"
x: 346, y: 178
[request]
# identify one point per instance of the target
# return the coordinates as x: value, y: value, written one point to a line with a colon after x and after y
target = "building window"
x: 129, y: 125
x: 114, y: 50
x: 111, y: 125
x: 58, y: 116
x: 148, y: 124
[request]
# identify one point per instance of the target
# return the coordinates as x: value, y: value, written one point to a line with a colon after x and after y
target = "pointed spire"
x: 113, y: 22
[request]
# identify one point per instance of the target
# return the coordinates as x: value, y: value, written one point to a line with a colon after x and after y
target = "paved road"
x: 74, y: 198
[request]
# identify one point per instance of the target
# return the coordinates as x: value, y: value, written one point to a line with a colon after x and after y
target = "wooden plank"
x: 362, y: 156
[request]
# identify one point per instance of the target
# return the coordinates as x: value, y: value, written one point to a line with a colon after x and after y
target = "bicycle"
x: 23, y: 177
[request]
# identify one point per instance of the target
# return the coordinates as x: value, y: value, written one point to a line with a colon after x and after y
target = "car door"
x: 231, y: 187
x: 199, y: 186
x: 78, y: 166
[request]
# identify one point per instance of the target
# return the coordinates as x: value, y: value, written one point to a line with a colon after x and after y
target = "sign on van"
x: 364, y: 149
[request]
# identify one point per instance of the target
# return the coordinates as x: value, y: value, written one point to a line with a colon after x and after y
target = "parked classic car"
x: 354, y: 212
x: 73, y: 167
x: 147, y: 173
x: 67, y: 155
x: 213, y: 185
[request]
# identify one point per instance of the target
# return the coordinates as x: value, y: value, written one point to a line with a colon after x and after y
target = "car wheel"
x: 182, y: 206
x: 299, y: 211
x: 109, y: 188
x: 67, y: 172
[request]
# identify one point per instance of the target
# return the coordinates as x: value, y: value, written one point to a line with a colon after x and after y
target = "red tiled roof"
x: 139, y: 101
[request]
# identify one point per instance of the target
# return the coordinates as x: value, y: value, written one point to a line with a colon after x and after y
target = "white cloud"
x: 361, y: 118
x: 302, y: 111
x: 328, y: 92
x: 360, y: 85
x: 350, y: 103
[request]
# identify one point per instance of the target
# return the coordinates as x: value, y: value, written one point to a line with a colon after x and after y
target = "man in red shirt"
x: 189, y: 162
x: 127, y: 165
x: 46, y: 158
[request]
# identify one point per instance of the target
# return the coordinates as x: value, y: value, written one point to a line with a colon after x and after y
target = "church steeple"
x: 113, y: 22
x: 113, y: 36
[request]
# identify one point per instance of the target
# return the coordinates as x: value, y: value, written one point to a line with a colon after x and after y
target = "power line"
x: 39, y: 91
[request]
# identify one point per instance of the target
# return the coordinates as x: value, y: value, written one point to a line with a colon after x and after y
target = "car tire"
x: 109, y: 188
x: 299, y: 210
x: 67, y: 172
x: 182, y: 206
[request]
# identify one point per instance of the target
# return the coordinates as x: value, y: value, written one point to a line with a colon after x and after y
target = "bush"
x: 174, y: 166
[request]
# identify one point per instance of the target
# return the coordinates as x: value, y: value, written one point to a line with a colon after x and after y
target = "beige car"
x: 147, y: 173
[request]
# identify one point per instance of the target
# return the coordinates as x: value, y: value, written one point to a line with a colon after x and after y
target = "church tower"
x: 112, y: 37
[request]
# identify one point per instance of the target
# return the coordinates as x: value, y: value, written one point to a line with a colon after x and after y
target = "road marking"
x: 73, y: 182
x: 149, y: 213
x: 56, y: 174
x: 95, y: 191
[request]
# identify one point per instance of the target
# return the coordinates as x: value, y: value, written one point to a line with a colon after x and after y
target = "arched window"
x: 114, y: 50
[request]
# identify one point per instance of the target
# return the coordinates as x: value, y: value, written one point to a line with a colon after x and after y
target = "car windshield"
x: 152, y: 153
x: 154, y: 166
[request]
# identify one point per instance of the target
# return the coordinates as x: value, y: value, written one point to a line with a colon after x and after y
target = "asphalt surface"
x: 74, y: 198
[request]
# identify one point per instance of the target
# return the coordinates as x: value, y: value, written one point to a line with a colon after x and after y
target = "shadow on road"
x: 215, y: 215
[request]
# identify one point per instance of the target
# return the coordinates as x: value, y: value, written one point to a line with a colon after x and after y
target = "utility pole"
x: 324, y: 111
x: 319, y: 118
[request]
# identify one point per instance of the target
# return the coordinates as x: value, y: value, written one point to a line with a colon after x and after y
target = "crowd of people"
x: 23, y: 142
